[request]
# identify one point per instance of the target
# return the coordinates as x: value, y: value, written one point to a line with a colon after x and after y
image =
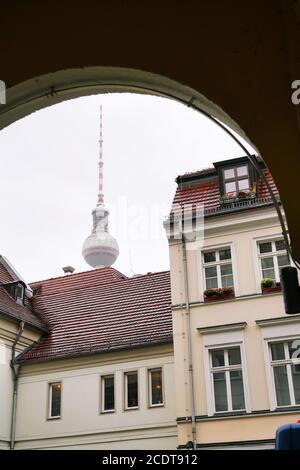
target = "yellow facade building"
x: 237, y: 356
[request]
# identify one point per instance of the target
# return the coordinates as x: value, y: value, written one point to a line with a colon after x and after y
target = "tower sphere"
x: 99, y: 251
x: 100, y: 248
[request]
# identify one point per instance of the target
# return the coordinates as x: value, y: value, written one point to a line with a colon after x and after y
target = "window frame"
x: 12, y: 288
x: 256, y: 259
x: 226, y: 369
x: 20, y: 298
x: 125, y: 378
x: 288, y: 362
x: 276, y: 330
x: 102, y: 393
x: 50, y: 385
x: 235, y: 179
x: 149, y: 379
x: 271, y: 254
x: 201, y: 266
x: 224, y: 336
x: 218, y: 263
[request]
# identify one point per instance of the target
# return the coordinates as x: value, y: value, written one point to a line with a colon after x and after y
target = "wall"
x: 8, y: 332
x: 250, y: 306
x: 82, y: 425
x: 239, y: 229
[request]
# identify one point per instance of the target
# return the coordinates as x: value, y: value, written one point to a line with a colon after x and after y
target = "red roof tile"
x: 5, y: 276
x: 206, y: 191
x: 89, y: 278
x: 101, y: 310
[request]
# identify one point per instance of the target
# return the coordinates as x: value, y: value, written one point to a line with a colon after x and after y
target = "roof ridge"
x: 102, y: 285
x: 66, y: 276
x: 138, y: 276
x: 123, y: 276
x: 204, y: 168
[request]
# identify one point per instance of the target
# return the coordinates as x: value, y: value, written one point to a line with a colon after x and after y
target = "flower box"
x: 213, y: 295
x: 216, y: 298
x: 269, y: 285
x: 269, y: 290
x: 237, y: 197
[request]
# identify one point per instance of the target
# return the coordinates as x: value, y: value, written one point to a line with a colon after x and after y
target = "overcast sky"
x: 48, y: 174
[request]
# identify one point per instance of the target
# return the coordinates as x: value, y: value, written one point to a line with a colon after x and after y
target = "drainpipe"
x: 15, y: 371
x: 189, y: 341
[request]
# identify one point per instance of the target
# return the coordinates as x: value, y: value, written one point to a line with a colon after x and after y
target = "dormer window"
x: 236, y: 180
x: 16, y: 290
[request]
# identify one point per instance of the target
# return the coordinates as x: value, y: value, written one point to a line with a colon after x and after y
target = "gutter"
x: 189, y: 341
x: 15, y: 371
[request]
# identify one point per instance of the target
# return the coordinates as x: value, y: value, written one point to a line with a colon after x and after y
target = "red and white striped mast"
x: 101, y: 193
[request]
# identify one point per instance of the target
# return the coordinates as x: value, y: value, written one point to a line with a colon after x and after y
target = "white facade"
x: 8, y: 332
x: 82, y: 424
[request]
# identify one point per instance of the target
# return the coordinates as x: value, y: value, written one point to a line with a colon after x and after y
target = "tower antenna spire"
x: 100, y: 192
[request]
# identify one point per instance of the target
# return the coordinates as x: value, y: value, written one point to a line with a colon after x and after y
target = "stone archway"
x: 50, y: 89
x: 242, y: 56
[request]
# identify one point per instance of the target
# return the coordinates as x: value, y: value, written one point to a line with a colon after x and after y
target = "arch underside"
x: 234, y: 60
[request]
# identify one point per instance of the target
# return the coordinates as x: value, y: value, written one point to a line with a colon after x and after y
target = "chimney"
x: 68, y: 269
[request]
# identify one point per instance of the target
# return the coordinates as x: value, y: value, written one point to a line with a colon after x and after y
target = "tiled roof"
x: 9, y: 307
x: 101, y: 310
x: 5, y: 276
x: 75, y: 281
x: 206, y: 190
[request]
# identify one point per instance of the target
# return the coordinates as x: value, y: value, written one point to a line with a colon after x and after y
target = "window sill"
x: 159, y: 405
x: 244, y: 414
x: 53, y: 418
x: 132, y: 408
x: 282, y: 409
x: 221, y: 414
x: 105, y: 412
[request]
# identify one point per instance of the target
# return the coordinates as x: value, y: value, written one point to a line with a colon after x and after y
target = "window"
x: 285, y: 364
x: 131, y: 390
x: 155, y: 387
x: 16, y: 291
x: 218, y: 268
x: 272, y: 257
x: 227, y: 379
x: 20, y: 294
x: 54, y: 400
x: 236, y: 180
x: 108, y: 393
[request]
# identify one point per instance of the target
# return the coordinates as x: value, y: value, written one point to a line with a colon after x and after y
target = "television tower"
x: 100, y: 249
